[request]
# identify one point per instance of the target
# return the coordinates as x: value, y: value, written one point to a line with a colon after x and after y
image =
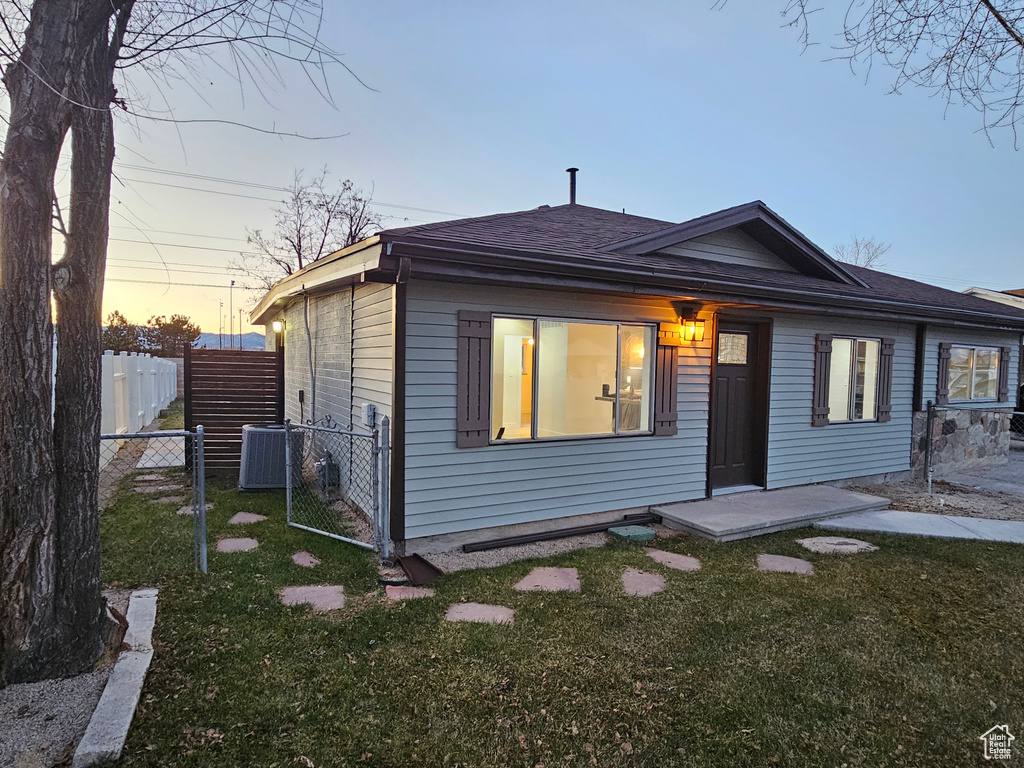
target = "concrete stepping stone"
x: 242, y: 518
x: 836, y: 545
x: 642, y: 584
x: 149, y: 478
x: 479, y: 612
x: 237, y: 545
x: 783, y: 564
x: 550, y: 580
x: 672, y: 560
x: 322, y: 598
x: 187, y: 510
x: 305, y: 559
x: 396, y: 592
x: 172, y: 500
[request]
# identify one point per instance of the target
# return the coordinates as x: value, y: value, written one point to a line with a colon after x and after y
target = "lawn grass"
x: 899, y: 657
x: 173, y: 416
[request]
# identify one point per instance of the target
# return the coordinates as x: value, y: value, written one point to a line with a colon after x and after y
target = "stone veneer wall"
x: 961, y: 439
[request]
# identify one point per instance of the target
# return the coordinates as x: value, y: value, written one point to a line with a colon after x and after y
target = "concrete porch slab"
x: 742, y: 515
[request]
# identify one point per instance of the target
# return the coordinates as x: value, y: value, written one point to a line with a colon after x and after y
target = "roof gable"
x: 729, y: 246
x: 755, y: 220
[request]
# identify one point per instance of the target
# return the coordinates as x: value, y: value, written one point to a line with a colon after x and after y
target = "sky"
x: 670, y: 110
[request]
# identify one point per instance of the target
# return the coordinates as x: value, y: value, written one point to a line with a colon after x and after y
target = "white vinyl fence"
x: 136, y: 387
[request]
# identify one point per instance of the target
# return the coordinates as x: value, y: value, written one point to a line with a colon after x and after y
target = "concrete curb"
x: 104, y: 738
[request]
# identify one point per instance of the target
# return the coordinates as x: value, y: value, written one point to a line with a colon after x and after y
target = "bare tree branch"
x: 314, y: 221
x: 968, y: 52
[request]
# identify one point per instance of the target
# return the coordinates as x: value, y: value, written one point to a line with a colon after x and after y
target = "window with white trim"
x: 853, y: 380
x: 973, y: 373
x: 555, y: 378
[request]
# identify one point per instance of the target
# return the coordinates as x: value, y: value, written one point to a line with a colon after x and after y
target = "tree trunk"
x: 78, y: 291
x: 38, y: 124
x: 50, y: 603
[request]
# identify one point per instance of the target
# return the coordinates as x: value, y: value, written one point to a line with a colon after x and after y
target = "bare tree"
x: 61, y: 59
x: 966, y: 51
x: 314, y: 221
x: 863, y: 252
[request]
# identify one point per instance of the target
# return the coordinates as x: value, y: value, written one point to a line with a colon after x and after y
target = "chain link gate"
x: 336, y: 483
x: 160, y: 465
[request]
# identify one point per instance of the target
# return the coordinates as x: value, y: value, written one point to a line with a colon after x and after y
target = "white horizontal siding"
x: 328, y: 335
x: 936, y: 335
x: 799, y: 453
x: 450, y: 489
x: 372, y: 349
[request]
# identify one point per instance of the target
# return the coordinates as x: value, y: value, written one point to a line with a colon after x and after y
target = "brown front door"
x: 738, y: 411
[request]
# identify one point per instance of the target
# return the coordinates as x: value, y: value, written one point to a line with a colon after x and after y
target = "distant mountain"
x: 213, y: 341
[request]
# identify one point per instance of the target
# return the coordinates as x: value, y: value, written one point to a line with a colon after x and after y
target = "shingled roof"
x: 587, y: 237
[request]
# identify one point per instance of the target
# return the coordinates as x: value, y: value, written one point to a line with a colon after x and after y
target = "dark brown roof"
x: 584, y: 236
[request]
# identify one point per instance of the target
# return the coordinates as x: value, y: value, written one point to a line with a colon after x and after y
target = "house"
x: 565, y: 364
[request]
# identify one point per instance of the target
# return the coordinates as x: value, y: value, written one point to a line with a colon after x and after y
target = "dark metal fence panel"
x: 336, y: 483
x: 164, y: 467
x: 227, y: 389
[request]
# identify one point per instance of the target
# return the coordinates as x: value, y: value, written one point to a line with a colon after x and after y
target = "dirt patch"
x: 948, y: 499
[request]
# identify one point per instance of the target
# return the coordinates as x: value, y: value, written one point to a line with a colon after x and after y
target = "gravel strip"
x: 948, y: 499
x: 40, y: 720
x: 492, y: 558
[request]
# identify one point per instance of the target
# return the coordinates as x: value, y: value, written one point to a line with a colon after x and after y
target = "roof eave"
x: 337, y: 268
x: 541, y: 263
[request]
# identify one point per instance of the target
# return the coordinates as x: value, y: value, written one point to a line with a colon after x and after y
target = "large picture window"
x: 973, y: 373
x: 853, y: 380
x: 558, y: 378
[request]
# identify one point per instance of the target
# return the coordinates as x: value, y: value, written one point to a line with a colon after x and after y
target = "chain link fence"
x: 337, y: 483
x: 162, y: 468
x: 959, y: 440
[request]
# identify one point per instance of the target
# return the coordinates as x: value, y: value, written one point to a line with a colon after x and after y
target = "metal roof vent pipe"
x: 572, y: 184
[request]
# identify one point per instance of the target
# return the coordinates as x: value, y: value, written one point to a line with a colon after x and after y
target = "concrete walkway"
x: 924, y: 524
x: 742, y: 515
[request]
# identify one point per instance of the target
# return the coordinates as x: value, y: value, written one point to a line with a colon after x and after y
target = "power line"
x: 182, y: 234
x: 257, y: 185
x: 168, y: 282
x: 235, y: 251
x: 172, y: 269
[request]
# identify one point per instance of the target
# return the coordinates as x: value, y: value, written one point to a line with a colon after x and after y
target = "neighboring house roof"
x: 619, y: 250
x: 1009, y: 298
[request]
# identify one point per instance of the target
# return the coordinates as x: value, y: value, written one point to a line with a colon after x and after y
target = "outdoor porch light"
x: 278, y: 326
x: 693, y: 330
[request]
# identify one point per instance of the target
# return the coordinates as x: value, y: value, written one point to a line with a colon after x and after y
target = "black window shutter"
x: 474, y: 380
x: 666, y: 412
x: 1004, y: 374
x: 885, y: 357
x: 942, y: 385
x: 822, y: 367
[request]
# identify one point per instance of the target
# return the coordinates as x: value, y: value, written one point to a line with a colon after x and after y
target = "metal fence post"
x: 384, y: 484
x: 375, y: 491
x: 288, y: 469
x: 928, y: 444
x: 200, y: 479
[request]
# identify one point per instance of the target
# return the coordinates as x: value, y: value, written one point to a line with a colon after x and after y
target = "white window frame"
x: 650, y: 361
x: 852, y: 374
x: 997, y: 351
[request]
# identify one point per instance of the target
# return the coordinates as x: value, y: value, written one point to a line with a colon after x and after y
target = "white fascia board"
x: 336, y: 268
